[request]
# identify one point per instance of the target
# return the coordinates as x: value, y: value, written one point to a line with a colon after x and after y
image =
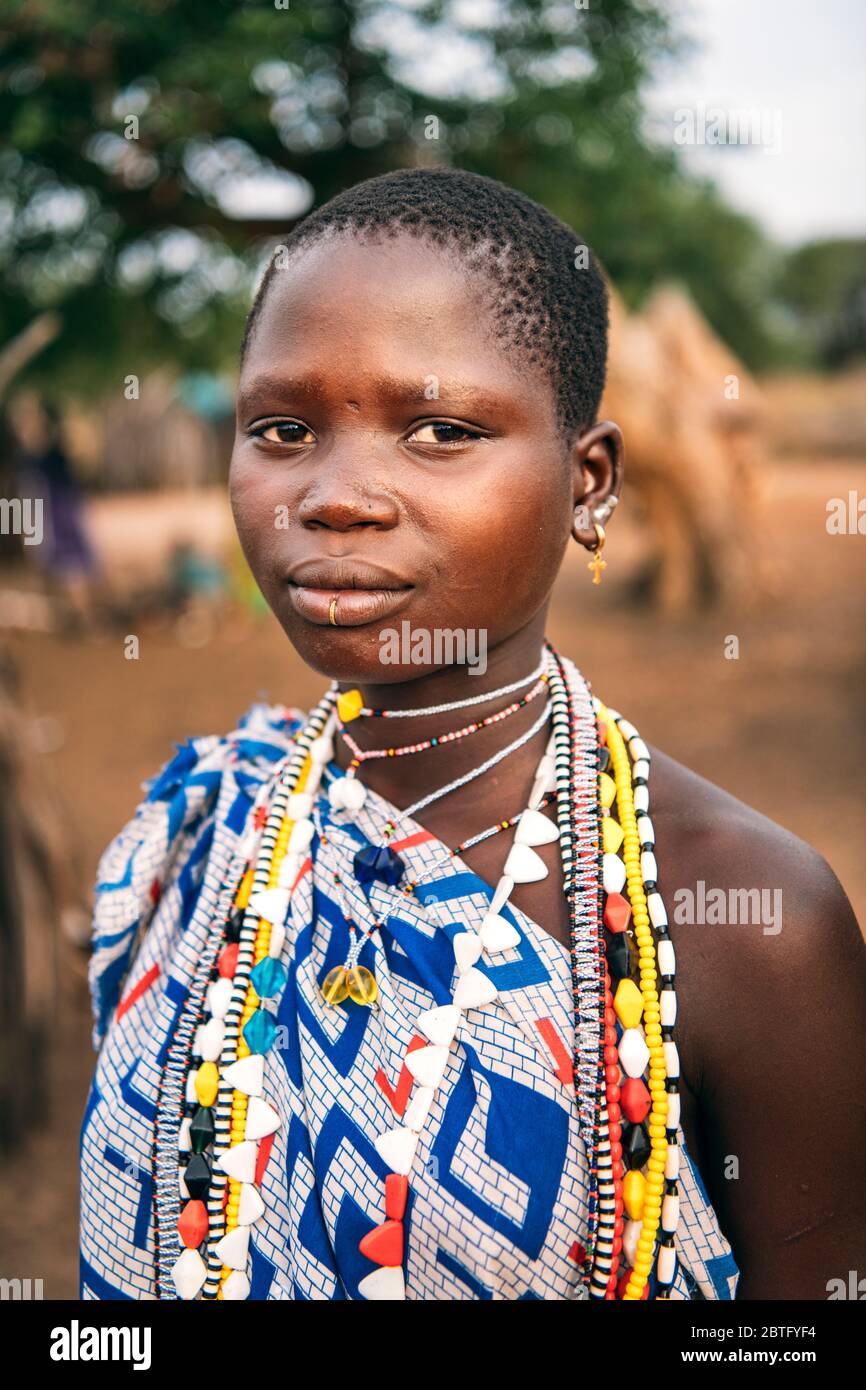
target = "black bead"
x: 202, y: 1128
x: 198, y: 1177
x: 636, y: 1146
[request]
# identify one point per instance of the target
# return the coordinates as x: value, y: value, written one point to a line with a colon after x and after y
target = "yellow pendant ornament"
x: 335, y: 986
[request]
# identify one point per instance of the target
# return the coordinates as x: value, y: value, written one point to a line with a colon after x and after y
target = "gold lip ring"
x: 331, y: 611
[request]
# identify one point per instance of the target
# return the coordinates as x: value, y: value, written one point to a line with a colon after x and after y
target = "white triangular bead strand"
x: 219, y: 997
x: 271, y: 904
x: 262, y: 1119
x: 498, y: 935
x: 236, y: 1287
x: 384, y: 1285
x: 181, y: 1184
x: 301, y: 837
x: 396, y: 1147
x: 467, y: 950
x: 184, y: 1137
x: 440, y: 1024
x: 418, y: 1109
x: 189, y: 1273
x: 613, y: 873
x: 210, y: 1040
x: 524, y: 865
x: 503, y: 893
x: 535, y: 829
x: 251, y: 1206
x: 474, y: 990
x: 427, y: 1065
x: 239, y: 1161
x: 246, y: 1075
x: 234, y: 1248
x: 300, y: 806
x: 289, y: 871
x: 277, y: 942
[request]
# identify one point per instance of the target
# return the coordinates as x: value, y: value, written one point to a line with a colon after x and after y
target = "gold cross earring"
x: 597, y: 564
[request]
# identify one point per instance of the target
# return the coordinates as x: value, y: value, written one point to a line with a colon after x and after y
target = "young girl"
x: 388, y: 1004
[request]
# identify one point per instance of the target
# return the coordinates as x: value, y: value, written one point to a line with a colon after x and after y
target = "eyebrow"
x: 394, y: 391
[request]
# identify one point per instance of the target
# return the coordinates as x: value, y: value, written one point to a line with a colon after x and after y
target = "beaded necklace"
x: 594, y: 767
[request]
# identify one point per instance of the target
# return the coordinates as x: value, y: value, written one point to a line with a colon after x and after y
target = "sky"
x: 799, y: 66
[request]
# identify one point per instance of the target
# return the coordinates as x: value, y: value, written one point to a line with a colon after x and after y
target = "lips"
x: 364, y: 593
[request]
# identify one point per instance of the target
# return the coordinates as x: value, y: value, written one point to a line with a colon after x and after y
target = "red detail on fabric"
x: 384, y: 1244
x: 260, y: 816
x: 577, y: 1253
x: 137, y: 991
x: 396, y: 1193
x: 262, y: 1157
x: 155, y: 891
x: 304, y: 869
x: 419, y: 838
x: 399, y: 1096
x: 564, y: 1068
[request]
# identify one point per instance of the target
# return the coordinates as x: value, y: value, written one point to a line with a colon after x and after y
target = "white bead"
x: 474, y: 989
x: 239, y: 1161
x: 236, y: 1287
x: 524, y: 865
x: 354, y: 794
x: 638, y: 750
x: 546, y: 770
x: 641, y: 800
x: 672, y: 1059
x: 670, y: 1212
x: 668, y: 1001
x: 289, y: 871
x: 277, y: 941
x: 272, y: 904
x: 301, y: 836
x: 418, y: 1108
x: 467, y: 949
x: 498, y: 935
x: 314, y: 777
x: 612, y: 873
x: 656, y: 907
x: 645, y: 831
x: 191, y: 1093
x: 384, y: 1285
x: 641, y: 769
x: 673, y: 1119
x: 181, y: 1183
x: 335, y: 793
x: 427, y: 1064
x: 648, y: 866
x: 184, y: 1137
x: 322, y: 749
x: 189, y: 1273
x: 396, y: 1147
x: 234, y: 1248
x: 251, y: 1205
x: 666, y: 1266
x: 667, y: 957
x: 219, y: 996
x: 440, y: 1024
x: 630, y: 1237
x: 211, y: 1040
x: 502, y: 894
x: 633, y: 1053
x: 300, y: 806
x: 246, y: 1075
x: 672, y: 1162
x: 196, y: 1040
x: 627, y: 730
x: 535, y: 829
x: 262, y: 1119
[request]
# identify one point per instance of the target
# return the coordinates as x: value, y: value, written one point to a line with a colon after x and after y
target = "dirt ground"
x: 782, y: 727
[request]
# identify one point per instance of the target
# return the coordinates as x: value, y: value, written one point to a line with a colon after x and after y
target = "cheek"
x: 255, y: 497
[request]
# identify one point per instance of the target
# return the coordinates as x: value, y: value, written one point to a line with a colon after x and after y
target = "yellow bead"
x: 207, y: 1080
x: 349, y: 705
x: 611, y: 834
x: 245, y: 889
x: 627, y: 1003
x: 606, y: 789
x: 335, y: 986
x: 633, y: 1191
x: 362, y: 985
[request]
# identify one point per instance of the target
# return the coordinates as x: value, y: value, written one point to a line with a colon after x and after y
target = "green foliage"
x: 132, y: 131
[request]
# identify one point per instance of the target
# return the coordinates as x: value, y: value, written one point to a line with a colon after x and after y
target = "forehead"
x: 394, y: 306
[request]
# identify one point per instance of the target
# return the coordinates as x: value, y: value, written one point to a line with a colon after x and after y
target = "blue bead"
x: 260, y: 1032
x: 378, y: 862
x: 269, y: 978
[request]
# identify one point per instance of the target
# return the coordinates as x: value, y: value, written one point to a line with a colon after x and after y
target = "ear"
x: 597, y: 459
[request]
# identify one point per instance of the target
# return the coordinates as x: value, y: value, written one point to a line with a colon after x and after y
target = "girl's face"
x: 391, y: 454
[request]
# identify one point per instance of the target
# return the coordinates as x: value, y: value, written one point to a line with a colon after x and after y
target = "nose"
x: 347, y: 492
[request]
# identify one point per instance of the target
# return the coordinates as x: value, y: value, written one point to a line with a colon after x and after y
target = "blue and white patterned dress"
x: 498, y: 1197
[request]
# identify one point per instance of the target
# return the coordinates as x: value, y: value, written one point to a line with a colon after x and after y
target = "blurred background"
x: 151, y: 156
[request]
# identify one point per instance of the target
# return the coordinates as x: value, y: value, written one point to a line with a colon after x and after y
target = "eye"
x: 443, y: 432
x: 284, y: 432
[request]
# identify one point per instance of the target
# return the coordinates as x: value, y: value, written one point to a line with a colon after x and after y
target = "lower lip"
x: 354, y: 607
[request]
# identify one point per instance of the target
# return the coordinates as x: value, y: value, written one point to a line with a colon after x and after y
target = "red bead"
x: 613, y: 1112
x: 396, y: 1192
x: 611, y: 1073
x: 228, y: 960
x: 636, y: 1100
x: 384, y: 1244
x: 192, y: 1225
x: 617, y: 912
